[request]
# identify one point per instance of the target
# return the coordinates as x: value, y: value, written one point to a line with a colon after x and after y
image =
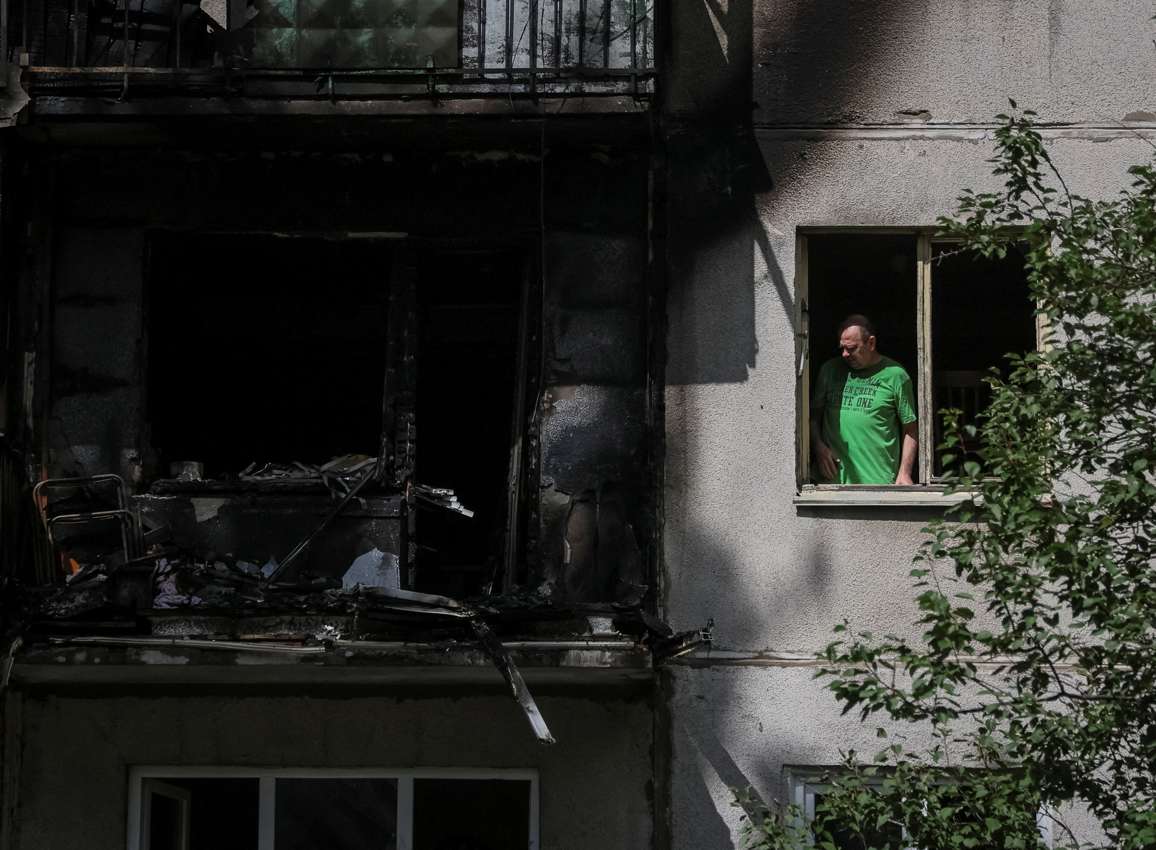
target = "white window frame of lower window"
x: 804, y: 783
x: 927, y: 492
x: 267, y: 777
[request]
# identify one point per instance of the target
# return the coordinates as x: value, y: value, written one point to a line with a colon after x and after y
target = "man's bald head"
x: 857, y: 342
x: 858, y: 320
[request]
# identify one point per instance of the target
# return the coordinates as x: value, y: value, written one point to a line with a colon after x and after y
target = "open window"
x: 946, y: 316
x: 240, y: 809
x: 192, y: 812
x: 272, y: 357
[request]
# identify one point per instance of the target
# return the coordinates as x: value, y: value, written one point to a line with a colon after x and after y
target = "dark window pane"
x: 164, y: 823
x: 336, y: 814
x: 471, y: 814
x: 222, y: 813
x: 981, y: 311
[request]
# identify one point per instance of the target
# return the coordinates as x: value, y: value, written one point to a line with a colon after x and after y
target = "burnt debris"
x: 109, y: 588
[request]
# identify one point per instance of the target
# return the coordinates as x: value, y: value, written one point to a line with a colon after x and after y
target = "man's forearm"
x: 825, y: 460
x: 816, y: 430
x: 909, y: 449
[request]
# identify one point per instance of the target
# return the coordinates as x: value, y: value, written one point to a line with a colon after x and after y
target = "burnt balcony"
x: 330, y: 50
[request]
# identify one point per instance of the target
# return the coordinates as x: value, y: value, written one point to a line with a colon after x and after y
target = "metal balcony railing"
x: 479, y: 40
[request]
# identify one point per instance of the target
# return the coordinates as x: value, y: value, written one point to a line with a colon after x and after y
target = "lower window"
x: 808, y: 787
x: 238, y: 809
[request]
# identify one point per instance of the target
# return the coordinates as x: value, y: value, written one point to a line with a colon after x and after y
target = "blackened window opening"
x: 265, y: 348
x: 332, y: 812
x: 469, y: 307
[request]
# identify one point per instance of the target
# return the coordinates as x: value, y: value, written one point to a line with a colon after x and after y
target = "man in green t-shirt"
x: 863, y: 415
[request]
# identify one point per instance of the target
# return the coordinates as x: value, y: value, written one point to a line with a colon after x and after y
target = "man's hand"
x: 904, y: 478
x: 827, y: 464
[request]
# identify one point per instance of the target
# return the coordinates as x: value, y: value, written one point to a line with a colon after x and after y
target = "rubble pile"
x: 164, y: 576
x: 339, y: 473
x: 185, y: 581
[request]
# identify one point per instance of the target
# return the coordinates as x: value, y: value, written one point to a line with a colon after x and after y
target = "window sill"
x: 897, y: 496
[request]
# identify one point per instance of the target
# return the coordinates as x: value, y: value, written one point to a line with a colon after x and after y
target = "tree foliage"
x: 1037, y: 598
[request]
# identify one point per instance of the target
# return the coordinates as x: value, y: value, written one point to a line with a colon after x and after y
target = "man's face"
x: 856, y: 348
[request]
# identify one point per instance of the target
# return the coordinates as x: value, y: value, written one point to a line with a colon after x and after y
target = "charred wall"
x: 593, y: 409
x: 576, y: 212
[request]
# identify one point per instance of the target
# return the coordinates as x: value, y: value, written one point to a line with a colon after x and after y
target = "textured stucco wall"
x: 774, y: 576
x: 792, y: 114
x: 76, y: 752
x: 740, y: 727
x: 883, y: 61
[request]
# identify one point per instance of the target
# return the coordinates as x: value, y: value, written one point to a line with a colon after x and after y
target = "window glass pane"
x: 336, y: 814
x: 981, y: 310
x: 165, y: 823
x: 471, y: 814
x: 222, y: 814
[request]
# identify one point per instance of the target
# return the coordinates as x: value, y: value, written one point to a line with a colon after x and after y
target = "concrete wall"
x: 791, y: 114
x: 776, y: 576
x: 76, y: 752
x: 888, y: 61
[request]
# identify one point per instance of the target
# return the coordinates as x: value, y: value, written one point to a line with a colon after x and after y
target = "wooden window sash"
x: 802, y: 365
x: 926, y: 401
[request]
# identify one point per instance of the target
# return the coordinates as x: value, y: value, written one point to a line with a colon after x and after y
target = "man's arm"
x: 823, y: 454
x: 907, y: 452
x: 824, y: 457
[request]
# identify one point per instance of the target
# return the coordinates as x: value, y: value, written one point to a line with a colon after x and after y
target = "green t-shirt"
x: 863, y: 413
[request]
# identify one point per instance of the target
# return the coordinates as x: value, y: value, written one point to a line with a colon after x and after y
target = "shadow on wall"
x: 747, y: 595
x: 720, y: 179
x: 716, y: 711
x: 710, y: 785
x: 716, y: 175
x: 723, y: 190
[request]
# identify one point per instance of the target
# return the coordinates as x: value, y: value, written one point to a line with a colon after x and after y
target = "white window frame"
x: 142, y: 776
x: 927, y: 492
x: 804, y: 783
